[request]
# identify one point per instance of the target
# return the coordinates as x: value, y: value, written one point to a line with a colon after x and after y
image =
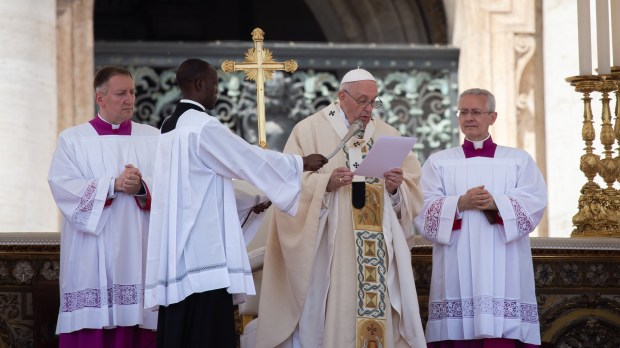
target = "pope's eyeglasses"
x: 374, y: 102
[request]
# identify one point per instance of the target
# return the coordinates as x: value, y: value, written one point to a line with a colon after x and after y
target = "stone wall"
x: 29, y: 296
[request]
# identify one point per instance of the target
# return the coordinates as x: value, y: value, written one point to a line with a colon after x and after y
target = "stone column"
x: 28, y: 116
x: 75, y: 44
x: 501, y: 50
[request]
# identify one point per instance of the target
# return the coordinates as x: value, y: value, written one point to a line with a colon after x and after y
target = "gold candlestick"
x: 615, y: 77
x: 608, y: 169
x: 587, y: 221
x: 609, y: 204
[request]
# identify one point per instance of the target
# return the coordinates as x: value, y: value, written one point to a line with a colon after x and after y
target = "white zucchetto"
x: 357, y: 75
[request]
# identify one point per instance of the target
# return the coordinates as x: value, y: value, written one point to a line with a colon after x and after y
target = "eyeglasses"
x: 473, y: 112
x: 374, y: 102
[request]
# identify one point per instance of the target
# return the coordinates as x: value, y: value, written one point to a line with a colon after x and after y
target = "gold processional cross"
x: 259, y: 66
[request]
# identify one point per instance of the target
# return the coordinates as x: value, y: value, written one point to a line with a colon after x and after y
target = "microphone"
x: 353, y: 129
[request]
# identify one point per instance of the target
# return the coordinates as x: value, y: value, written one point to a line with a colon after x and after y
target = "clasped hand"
x: 477, y: 198
x: 130, y: 180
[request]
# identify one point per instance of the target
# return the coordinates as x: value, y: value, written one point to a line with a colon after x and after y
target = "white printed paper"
x: 387, y: 153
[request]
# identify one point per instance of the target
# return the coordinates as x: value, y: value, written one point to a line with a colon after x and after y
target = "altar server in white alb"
x: 100, y: 178
x: 481, y: 202
x: 197, y: 263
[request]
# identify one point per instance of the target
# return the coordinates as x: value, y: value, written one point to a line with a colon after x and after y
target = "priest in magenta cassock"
x: 100, y: 179
x: 197, y: 263
x: 339, y: 273
x: 481, y: 201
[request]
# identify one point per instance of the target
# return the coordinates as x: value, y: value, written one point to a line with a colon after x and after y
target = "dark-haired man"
x: 99, y: 177
x: 197, y: 265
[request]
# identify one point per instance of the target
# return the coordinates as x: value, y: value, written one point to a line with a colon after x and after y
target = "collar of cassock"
x: 482, y: 148
x: 104, y: 127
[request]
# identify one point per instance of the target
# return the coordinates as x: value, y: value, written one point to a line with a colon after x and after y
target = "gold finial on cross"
x: 259, y: 66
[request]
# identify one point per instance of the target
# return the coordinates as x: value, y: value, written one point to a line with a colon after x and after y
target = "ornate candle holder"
x: 615, y: 77
x: 608, y: 169
x: 589, y: 218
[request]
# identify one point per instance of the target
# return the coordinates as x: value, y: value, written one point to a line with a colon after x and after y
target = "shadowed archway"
x: 378, y: 21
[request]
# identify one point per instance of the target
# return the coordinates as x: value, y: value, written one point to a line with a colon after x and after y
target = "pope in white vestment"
x: 482, y: 285
x: 311, y: 294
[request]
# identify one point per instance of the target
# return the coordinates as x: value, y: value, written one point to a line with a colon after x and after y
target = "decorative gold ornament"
x: 615, y: 78
x: 259, y: 66
x: 608, y: 169
x: 590, y: 162
x: 599, y: 209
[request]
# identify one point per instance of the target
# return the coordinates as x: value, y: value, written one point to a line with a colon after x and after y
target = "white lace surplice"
x: 196, y: 242
x: 482, y: 283
x: 102, y: 248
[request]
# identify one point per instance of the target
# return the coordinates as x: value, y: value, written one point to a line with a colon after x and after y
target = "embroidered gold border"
x: 370, y: 217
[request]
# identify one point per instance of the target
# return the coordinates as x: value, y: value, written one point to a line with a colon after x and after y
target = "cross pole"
x: 259, y: 66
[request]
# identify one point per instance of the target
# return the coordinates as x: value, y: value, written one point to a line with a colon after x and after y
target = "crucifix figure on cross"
x: 259, y: 66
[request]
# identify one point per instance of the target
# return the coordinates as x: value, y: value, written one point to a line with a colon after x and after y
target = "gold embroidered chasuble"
x: 341, y: 277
